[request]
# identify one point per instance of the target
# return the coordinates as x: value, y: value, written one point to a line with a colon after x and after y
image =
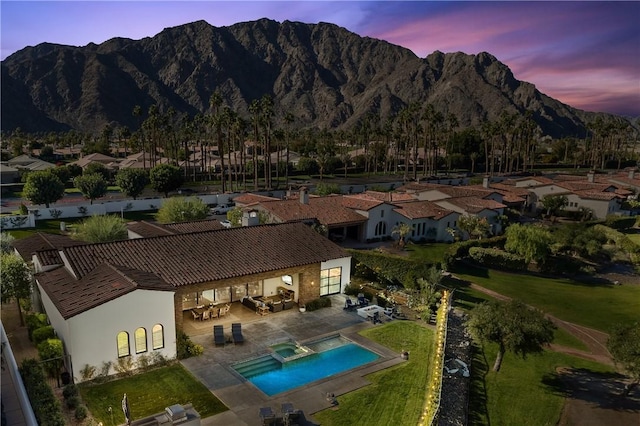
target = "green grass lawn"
x: 396, y: 395
x: 634, y: 237
x: 428, y: 252
x: 592, y: 305
x: 149, y: 393
x: 523, y: 392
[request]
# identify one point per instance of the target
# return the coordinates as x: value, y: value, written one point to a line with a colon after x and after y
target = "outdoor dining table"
x: 198, y: 312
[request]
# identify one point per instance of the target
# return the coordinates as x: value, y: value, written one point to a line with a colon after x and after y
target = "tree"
x: 474, y: 226
x: 165, y: 178
x: 528, y: 241
x: 513, y: 326
x: 97, y: 168
x: 182, y: 209
x: 401, y: 230
x: 6, y: 240
x: 43, y: 187
x: 324, y: 189
x: 132, y: 181
x: 15, y: 279
x: 91, y: 185
x: 101, y: 229
x: 624, y: 345
x: 554, y: 203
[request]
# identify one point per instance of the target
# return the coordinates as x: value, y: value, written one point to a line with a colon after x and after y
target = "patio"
x: 244, y: 400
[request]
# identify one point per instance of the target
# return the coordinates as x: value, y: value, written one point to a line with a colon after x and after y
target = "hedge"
x: 497, y: 259
x: 43, y: 333
x: 460, y: 250
x: 46, y: 406
x: 394, y: 270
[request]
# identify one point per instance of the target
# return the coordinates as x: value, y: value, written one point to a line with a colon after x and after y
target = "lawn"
x: 523, y: 391
x: 149, y: 393
x: 396, y: 395
x: 593, y: 305
x: 429, y: 252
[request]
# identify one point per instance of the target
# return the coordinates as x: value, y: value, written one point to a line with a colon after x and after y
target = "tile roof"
x: 154, y: 229
x: 473, y: 204
x: 148, y: 229
x: 247, y: 199
x: 40, y: 241
x: 185, y: 259
x: 450, y: 190
x: 329, y: 211
x: 389, y: 197
x: 106, y: 282
x: 422, y: 210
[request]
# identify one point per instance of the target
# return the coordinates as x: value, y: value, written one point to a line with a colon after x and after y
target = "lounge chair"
x: 349, y: 305
x: 218, y: 335
x: 290, y: 416
x: 267, y: 416
x: 236, y: 332
x: 362, y: 301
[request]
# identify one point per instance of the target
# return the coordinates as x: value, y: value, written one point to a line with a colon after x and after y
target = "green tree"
x: 132, y: 181
x: 307, y: 165
x: 101, y: 229
x: 62, y: 172
x: 324, y: 189
x: 554, y: 203
x: 97, y: 168
x: 15, y: 279
x: 165, y: 178
x: 91, y: 185
x: 182, y: 209
x: 43, y: 187
x: 474, y: 226
x: 530, y: 242
x: 513, y: 326
x: 624, y: 345
x: 6, y: 241
x: 51, y: 351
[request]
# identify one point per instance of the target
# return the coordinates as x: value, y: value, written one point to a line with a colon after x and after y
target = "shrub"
x: 460, y: 250
x: 498, y: 259
x: 41, y: 334
x: 44, y: 402
x: 322, y: 302
x: 35, y: 321
x: 143, y: 362
x: 88, y: 372
x: 186, y: 348
x: 389, y: 270
x: 69, y: 391
x: 81, y: 412
x: 72, y: 403
x: 124, y: 365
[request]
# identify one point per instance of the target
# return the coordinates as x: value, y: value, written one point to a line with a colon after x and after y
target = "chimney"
x: 304, y: 196
x: 250, y: 218
x: 591, y: 176
x: 485, y: 181
x: 632, y: 173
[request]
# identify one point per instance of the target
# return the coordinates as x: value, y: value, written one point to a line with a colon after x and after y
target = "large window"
x: 330, y: 281
x: 157, y: 337
x: 381, y: 228
x: 123, y: 344
x: 141, y: 340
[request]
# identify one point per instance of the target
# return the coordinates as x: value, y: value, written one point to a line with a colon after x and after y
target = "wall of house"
x: 345, y: 264
x: 601, y: 208
x: 91, y: 337
x: 382, y: 213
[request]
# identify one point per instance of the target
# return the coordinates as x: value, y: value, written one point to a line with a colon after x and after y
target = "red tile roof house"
x: 122, y: 299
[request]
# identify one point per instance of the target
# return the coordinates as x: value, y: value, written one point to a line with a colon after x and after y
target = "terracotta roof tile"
x: 422, y: 210
x: 209, y: 256
x: 26, y: 247
x: 474, y: 204
x: 106, y: 282
x: 246, y: 199
x: 328, y: 211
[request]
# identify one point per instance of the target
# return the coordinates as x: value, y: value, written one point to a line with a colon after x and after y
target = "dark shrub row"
x: 314, y: 305
x: 497, y: 259
x: 45, y: 405
x: 387, y: 269
x: 460, y: 250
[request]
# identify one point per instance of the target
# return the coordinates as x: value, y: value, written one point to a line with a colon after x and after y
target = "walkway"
x: 244, y: 400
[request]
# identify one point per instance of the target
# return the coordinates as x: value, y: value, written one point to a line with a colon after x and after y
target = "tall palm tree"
x: 215, y: 102
x: 254, y: 109
x: 289, y: 118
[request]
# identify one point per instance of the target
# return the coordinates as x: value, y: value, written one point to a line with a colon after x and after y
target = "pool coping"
x: 244, y: 399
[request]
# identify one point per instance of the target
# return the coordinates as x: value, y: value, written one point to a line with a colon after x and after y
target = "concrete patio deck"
x: 244, y: 400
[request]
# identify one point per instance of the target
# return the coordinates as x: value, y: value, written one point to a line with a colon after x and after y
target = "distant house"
x: 105, y: 160
x: 126, y: 299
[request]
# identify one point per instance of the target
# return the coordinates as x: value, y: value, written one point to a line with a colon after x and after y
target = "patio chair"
x: 349, y: 305
x: 224, y: 310
x: 206, y: 315
x: 362, y: 301
x: 290, y: 416
x: 236, y: 332
x: 218, y: 335
x: 196, y: 316
x: 267, y: 416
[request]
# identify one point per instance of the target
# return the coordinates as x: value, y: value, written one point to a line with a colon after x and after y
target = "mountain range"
x: 325, y: 75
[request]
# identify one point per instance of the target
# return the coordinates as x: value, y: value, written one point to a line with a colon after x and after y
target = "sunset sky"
x: 585, y: 54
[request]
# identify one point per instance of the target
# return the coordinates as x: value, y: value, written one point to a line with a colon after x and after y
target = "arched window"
x: 381, y: 228
x: 157, y: 336
x: 141, y: 340
x: 123, y: 344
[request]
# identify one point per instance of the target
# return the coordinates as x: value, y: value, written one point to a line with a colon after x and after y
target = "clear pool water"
x: 311, y: 368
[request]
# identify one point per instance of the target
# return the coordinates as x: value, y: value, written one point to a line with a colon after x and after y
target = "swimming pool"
x: 332, y: 356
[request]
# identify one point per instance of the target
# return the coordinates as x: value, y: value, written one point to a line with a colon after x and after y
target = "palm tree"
x: 216, y: 120
x: 402, y: 230
x: 288, y: 119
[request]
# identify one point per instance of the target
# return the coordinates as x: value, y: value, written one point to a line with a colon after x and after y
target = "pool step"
x: 257, y: 366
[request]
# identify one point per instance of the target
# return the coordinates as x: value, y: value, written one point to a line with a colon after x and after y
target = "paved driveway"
x: 244, y: 400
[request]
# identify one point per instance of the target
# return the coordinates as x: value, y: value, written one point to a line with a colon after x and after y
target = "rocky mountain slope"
x: 325, y: 75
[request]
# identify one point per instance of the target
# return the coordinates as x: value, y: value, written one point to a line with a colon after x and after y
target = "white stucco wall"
x: 381, y: 213
x: 91, y: 337
x: 345, y: 264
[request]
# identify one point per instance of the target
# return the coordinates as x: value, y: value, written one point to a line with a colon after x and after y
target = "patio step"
x: 257, y: 366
